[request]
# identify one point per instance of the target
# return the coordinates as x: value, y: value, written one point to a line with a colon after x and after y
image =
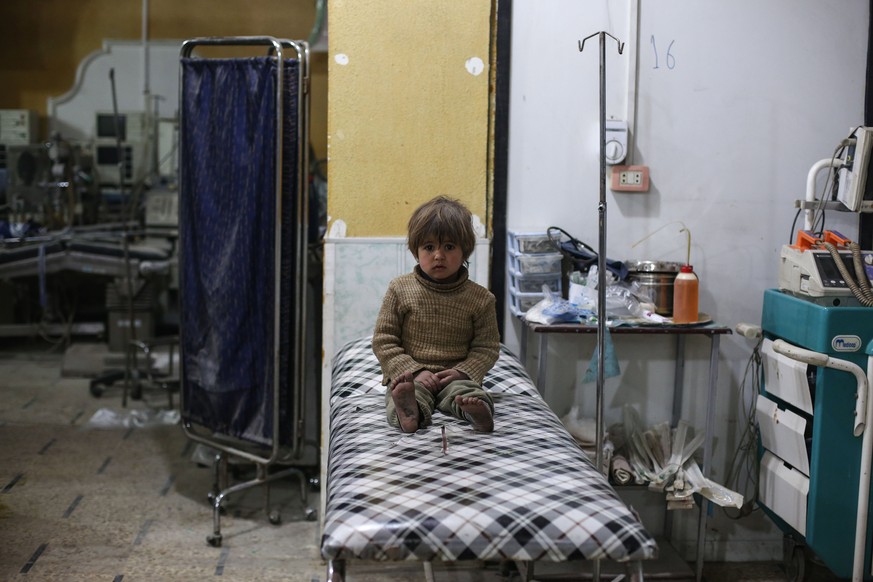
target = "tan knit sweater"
x: 436, y: 326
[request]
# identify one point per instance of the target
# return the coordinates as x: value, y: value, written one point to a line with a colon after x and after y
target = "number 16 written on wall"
x: 669, y: 59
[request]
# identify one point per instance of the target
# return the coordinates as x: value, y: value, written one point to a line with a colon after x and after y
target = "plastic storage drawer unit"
x: 535, y: 264
x: 534, y: 283
x: 530, y: 242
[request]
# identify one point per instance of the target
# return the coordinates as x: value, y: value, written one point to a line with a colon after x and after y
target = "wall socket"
x: 630, y: 178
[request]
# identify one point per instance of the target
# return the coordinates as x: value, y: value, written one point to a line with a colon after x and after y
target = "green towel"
x: 610, y: 362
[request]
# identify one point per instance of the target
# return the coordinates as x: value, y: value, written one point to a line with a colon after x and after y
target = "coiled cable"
x: 860, y: 270
x: 862, y: 291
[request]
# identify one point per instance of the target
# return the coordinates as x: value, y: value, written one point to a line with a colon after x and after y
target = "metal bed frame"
x: 278, y: 454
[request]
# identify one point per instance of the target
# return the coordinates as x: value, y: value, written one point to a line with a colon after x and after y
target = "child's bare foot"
x: 403, y: 394
x: 478, y: 411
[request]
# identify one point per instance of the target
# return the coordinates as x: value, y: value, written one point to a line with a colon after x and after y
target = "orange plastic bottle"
x: 685, y: 288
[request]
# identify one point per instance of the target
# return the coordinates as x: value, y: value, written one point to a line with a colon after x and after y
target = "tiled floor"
x: 80, y: 502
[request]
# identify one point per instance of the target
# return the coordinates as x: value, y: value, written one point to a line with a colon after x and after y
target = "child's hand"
x: 429, y: 380
x: 446, y: 377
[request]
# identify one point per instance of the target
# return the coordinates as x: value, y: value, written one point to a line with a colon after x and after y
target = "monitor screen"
x: 854, y: 187
x: 107, y: 160
x: 830, y: 273
x: 106, y: 125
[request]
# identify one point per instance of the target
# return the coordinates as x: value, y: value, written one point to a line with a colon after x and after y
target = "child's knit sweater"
x: 424, y: 324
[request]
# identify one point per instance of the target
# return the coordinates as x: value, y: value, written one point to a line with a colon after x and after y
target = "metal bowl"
x: 656, y: 278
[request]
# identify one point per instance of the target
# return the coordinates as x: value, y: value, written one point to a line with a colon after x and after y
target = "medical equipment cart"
x: 813, y: 413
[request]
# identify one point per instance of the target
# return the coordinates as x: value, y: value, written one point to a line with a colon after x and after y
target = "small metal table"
x: 712, y: 330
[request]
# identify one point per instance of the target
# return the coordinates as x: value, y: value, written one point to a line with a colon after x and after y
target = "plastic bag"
x: 108, y: 418
x: 624, y: 299
x: 553, y: 309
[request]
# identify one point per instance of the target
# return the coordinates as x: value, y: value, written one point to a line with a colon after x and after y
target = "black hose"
x: 866, y: 299
x: 860, y: 271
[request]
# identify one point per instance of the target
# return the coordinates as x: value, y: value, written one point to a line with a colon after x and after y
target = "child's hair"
x: 443, y: 219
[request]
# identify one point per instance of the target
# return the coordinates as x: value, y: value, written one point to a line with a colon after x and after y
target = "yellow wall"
x: 407, y: 120
x: 42, y: 42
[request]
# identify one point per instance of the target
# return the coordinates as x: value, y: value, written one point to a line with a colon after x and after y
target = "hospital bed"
x: 82, y: 262
x: 522, y: 494
x: 99, y: 254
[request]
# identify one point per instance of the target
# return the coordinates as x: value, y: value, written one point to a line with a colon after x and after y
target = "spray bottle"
x: 685, y: 291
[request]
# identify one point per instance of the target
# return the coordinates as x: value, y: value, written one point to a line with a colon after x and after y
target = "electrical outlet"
x: 630, y: 178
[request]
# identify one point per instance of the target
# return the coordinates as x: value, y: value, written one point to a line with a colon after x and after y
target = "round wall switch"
x: 616, y: 141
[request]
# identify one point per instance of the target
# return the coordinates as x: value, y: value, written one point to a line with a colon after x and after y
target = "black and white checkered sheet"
x: 524, y: 492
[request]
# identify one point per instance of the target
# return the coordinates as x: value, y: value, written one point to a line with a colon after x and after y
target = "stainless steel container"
x: 656, y: 278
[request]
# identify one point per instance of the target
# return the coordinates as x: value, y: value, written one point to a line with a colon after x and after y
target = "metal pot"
x: 656, y: 278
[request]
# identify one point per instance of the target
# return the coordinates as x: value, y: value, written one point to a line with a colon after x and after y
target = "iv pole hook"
x: 620, y: 44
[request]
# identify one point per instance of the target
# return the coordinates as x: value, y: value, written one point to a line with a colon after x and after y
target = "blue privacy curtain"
x: 227, y: 245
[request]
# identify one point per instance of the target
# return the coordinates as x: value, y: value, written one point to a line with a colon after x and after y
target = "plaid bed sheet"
x: 524, y: 492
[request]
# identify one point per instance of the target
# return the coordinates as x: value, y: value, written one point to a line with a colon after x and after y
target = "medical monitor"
x: 106, y: 161
x: 131, y: 126
x: 854, y: 186
x: 106, y: 126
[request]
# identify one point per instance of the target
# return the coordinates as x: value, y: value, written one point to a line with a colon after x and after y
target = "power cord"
x: 746, y: 453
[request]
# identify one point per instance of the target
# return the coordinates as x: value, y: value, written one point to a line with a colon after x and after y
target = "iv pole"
x: 601, y: 259
x: 601, y: 250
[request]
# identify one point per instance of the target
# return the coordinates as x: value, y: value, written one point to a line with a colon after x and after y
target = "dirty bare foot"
x: 403, y: 394
x: 478, y: 411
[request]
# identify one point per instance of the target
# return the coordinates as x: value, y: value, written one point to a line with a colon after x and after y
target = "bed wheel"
x: 795, y: 567
x: 275, y: 517
x: 794, y: 556
x: 96, y: 390
x: 311, y: 514
x: 214, y: 540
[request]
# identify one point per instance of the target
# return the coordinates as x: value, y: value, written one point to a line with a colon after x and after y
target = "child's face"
x: 440, y: 260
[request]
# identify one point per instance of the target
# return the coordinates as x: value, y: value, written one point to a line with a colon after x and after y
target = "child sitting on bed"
x: 436, y: 335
